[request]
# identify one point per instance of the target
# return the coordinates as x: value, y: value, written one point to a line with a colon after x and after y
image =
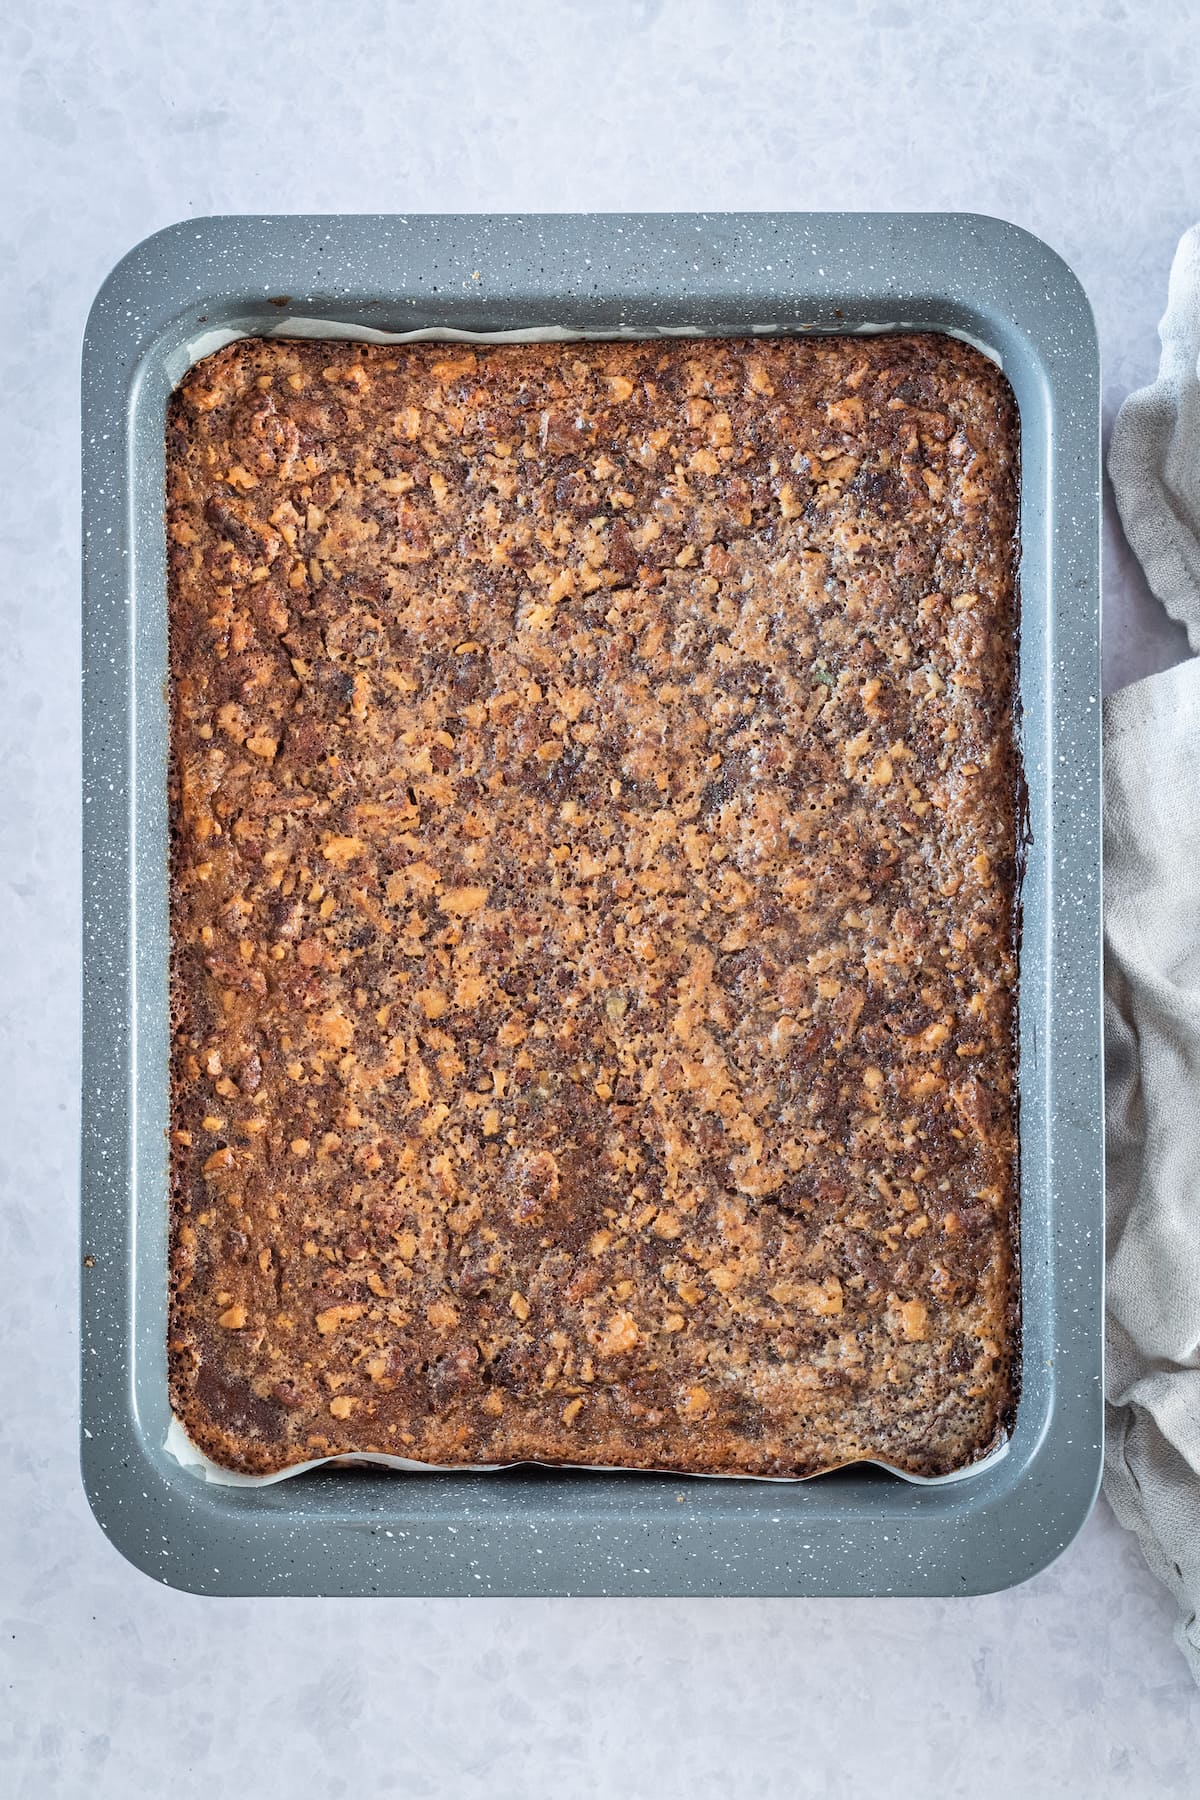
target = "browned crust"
x: 593, y: 903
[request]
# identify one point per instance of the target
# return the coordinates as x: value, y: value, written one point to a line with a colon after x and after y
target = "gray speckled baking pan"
x: 344, y: 1531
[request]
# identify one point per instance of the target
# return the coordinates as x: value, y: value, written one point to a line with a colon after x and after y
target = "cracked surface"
x: 593, y: 809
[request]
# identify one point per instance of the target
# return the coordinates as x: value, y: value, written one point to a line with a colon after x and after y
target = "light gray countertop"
x: 1076, y: 121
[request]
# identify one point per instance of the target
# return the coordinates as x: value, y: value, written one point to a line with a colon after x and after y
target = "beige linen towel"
x: 1152, y: 987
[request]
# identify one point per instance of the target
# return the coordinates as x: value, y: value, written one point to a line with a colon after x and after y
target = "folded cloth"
x: 1154, y: 458
x: 1152, y: 987
x: 1152, y: 1072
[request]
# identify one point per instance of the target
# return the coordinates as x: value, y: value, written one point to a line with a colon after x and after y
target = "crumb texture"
x: 593, y: 903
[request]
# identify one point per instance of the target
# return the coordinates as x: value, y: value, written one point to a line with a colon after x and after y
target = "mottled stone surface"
x: 1076, y: 122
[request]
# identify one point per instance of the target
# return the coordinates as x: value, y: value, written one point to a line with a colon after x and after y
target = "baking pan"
x: 531, y: 1531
